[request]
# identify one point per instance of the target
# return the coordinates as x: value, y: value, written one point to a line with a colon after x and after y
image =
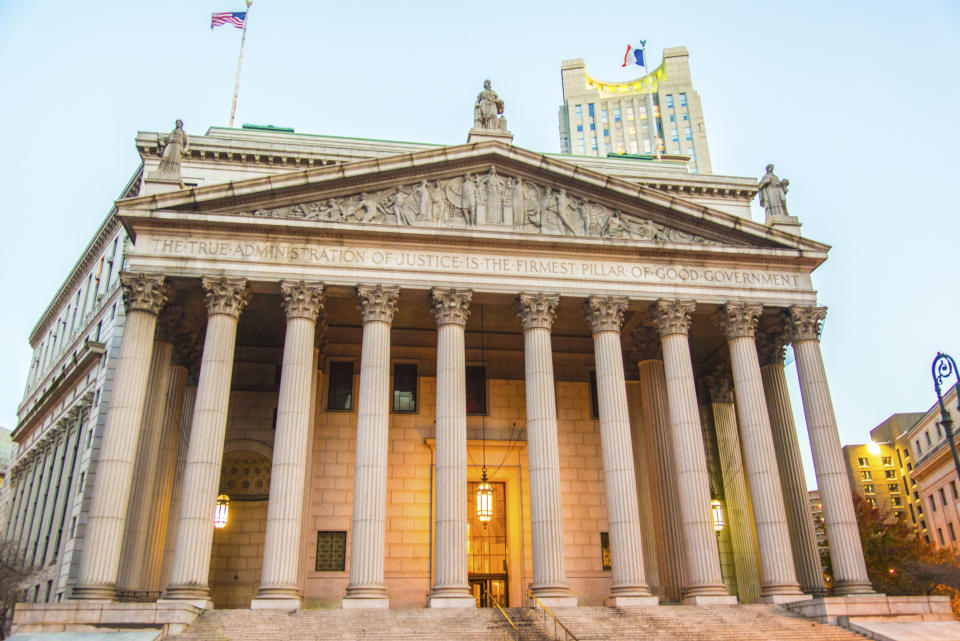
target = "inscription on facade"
x: 472, y: 263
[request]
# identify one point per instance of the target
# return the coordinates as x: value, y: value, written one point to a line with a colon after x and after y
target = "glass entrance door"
x: 487, y: 552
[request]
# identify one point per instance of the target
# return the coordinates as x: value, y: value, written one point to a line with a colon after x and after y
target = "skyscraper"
x: 599, y: 117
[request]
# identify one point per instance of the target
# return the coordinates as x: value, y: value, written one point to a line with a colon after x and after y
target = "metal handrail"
x: 516, y: 630
x: 567, y: 634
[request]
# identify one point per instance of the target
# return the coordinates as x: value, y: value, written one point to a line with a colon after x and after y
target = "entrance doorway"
x: 487, y: 549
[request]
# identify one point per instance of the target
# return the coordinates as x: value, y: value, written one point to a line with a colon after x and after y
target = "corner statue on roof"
x: 488, y: 110
x: 773, y: 194
x: 171, y: 148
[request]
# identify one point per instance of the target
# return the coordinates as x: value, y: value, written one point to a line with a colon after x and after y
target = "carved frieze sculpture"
x: 489, y: 200
x: 488, y: 110
x: 171, y: 149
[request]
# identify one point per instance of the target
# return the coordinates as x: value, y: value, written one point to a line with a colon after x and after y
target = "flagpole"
x: 653, y: 118
x: 236, y: 84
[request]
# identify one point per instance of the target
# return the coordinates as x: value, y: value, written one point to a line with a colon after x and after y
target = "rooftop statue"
x: 488, y: 110
x: 172, y: 148
x: 773, y: 194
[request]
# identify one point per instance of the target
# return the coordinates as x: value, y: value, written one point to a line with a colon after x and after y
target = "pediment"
x: 486, y: 187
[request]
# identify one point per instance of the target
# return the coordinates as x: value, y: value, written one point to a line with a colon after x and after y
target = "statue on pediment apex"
x: 488, y: 110
x: 171, y: 149
x: 773, y: 194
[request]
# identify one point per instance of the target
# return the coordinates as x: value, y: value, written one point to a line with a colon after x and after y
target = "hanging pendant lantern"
x: 221, y: 512
x: 718, y: 523
x: 485, y: 500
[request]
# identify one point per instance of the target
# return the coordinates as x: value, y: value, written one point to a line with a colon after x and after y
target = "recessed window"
x: 933, y: 503
x: 863, y: 462
x: 953, y: 488
x: 943, y: 497
x: 890, y: 474
x: 683, y: 100
x: 340, y: 388
x: 866, y: 475
x: 893, y: 488
x: 594, y: 397
x: 868, y: 488
x: 887, y: 460
x: 404, y: 387
x: 331, y: 551
x: 953, y: 534
x: 896, y: 500
x: 477, y: 388
x: 940, y: 536
x: 590, y: 110
x: 670, y: 100
x: 605, y: 550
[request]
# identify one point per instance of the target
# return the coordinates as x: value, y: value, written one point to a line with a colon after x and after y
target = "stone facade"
x: 353, y: 345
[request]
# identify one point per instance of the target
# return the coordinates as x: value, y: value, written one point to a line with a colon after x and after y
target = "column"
x: 279, y: 582
x: 140, y: 508
x: 46, y: 470
x: 226, y: 299
x: 771, y: 341
x: 703, y: 580
x: 451, y: 309
x: 739, y: 516
x: 378, y: 304
x: 537, y: 313
x: 846, y: 552
x: 604, y: 315
x: 778, y: 577
x: 53, y: 496
x: 183, y: 444
x: 162, y: 497
x: 144, y: 295
x: 662, y: 472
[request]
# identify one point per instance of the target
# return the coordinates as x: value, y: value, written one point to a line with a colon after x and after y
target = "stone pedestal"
x: 450, y: 589
x: 605, y: 316
x: 279, y: 585
x: 778, y: 577
x: 788, y: 224
x: 378, y: 305
x: 846, y: 552
x: 226, y: 299
x: 144, y: 296
x: 499, y: 135
x: 703, y: 581
x: 537, y: 312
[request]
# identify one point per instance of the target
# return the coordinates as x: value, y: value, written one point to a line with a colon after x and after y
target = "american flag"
x: 236, y: 18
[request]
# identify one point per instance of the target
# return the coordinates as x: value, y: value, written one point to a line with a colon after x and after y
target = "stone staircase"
x: 663, y: 623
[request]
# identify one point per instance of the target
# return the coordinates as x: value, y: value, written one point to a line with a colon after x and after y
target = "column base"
x: 776, y: 599
x: 558, y: 601
x: 452, y: 598
x: 94, y: 593
x: 360, y: 603
x: 630, y: 601
x: 710, y: 599
x: 275, y: 603
x: 198, y: 596
x: 847, y: 588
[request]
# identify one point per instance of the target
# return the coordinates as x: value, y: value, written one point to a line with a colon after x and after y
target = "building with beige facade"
x: 297, y: 371
x: 653, y: 115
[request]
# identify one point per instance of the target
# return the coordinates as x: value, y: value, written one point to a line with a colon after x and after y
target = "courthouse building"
x: 294, y: 370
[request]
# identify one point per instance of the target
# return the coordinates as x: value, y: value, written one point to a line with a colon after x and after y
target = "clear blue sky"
x: 855, y: 102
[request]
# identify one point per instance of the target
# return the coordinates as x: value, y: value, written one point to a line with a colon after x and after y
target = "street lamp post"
x: 943, y: 367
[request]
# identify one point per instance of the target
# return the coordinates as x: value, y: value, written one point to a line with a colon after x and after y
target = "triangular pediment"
x: 484, y: 187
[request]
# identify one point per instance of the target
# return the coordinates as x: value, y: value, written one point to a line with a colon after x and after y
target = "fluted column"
x: 226, y: 299
x: 451, y: 308
x: 183, y: 444
x: 846, y: 552
x: 662, y: 472
x: 139, y: 511
x: 144, y: 295
x: 739, y: 515
x: 537, y: 313
x: 378, y: 304
x: 778, y: 579
x: 604, y: 315
x: 55, y: 488
x: 703, y: 580
x: 772, y: 338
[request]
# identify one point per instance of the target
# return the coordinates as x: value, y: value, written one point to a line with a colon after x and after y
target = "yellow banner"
x: 652, y: 79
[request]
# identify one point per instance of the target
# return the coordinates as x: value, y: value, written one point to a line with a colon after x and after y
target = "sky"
x: 855, y: 103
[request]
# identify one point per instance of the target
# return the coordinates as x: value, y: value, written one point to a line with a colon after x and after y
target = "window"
x: 943, y: 497
x: 633, y: 146
x: 918, y: 446
x: 933, y: 504
x: 863, y: 462
x: 616, y: 114
x: 476, y: 390
x: 594, y: 398
x: 593, y: 126
x: 868, y: 488
x: 603, y: 115
x: 909, y: 467
x: 953, y: 534
x: 898, y: 514
x: 580, y: 128
x: 674, y: 135
x: 923, y: 526
x: 929, y: 442
x: 896, y: 501
x: 673, y: 118
x: 670, y: 100
x: 579, y: 111
x: 899, y: 458
x: 683, y: 100
x: 580, y: 145
x: 893, y: 488
x: 953, y: 488
x: 865, y: 475
x: 629, y: 113
x: 687, y: 134
x: 632, y: 130
x: 331, y: 551
x: 590, y: 111
x: 940, y: 536
x: 872, y: 501
x: 340, y: 392
x: 606, y: 133
x: 83, y: 475
x: 939, y: 433
x: 887, y: 461
x: 686, y: 116
x: 913, y: 517
x: 404, y: 387
x: 890, y: 474
x: 605, y: 550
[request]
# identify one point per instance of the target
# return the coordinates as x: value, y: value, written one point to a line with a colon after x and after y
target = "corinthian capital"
x: 227, y: 296
x: 672, y: 316
x: 537, y: 311
x: 450, y: 306
x: 605, y: 313
x: 773, y: 336
x: 143, y: 292
x: 739, y: 320
x: 806, y: 322
x: 377, y: 303
x: 169, y: 323
x: 720, y: 383
x: 301, y: 299
x: 646, y: 343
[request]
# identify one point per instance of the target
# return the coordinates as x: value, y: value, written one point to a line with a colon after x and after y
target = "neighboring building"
x: 277, y: 372
x: 599, y: 117
x: 936, y: 488
x: 816, y: 511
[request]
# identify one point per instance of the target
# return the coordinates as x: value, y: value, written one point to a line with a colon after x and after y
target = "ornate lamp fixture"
x: 717, y: 507
x: 221, y: 512
x: 485, y: 491
x: 943, y: 368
